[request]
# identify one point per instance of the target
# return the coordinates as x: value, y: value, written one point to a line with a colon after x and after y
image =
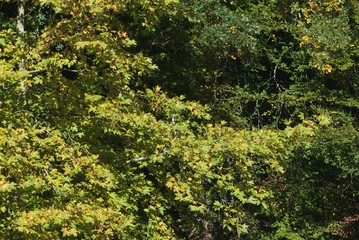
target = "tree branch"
x: 138, y: 159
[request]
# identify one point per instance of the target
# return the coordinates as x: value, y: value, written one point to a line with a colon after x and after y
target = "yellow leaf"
x: 233, y: 57
x: 304, y: 40
x: 324, y: 120
x: 170, y: 182
x: 69, y: 232
x: 327, y: 69
x: 157, y: 89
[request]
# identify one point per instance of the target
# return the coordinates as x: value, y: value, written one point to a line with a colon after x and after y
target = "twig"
x: 69, y: 70
x: 37, y: 71
x: 137, y: 159
x: 45, y: 69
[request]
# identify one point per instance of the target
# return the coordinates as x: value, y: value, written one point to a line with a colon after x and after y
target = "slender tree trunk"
x: 20, y: 27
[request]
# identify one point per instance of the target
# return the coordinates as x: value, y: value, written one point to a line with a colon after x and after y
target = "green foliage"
x: 51, y: 189
x: 174, y: 119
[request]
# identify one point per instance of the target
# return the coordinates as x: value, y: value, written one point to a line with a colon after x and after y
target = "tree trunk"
x: 20, y: 27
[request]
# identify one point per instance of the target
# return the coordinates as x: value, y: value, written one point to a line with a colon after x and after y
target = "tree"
x: 102, y: 137
x: 93, y: 153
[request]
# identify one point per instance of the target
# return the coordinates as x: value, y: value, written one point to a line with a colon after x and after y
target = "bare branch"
x: 69, y: 70
x: 138, y: 159
x: 38, y: 71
